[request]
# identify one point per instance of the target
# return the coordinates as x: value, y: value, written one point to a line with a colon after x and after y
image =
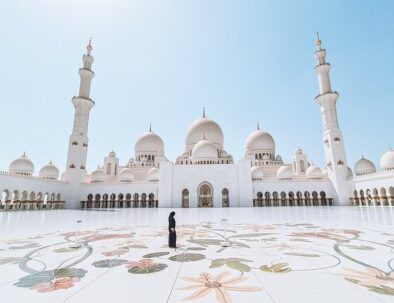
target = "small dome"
x: 314, y: 172
x: 278, y: 158
x: 364, y: 167
x: 260, y: 140
x: 204, y: 128
x: 97, y: 175
x: 387, y: 160
x: 349, y: 172
x: 257, y: 172
x: 149, y: 142
x: 126, y: 175
x: 324, y: 172
x: 22, y: 166
x: 112, y: 154
x: 284, y: 172
x: 204, y: 149
x: 49, y: 171
x: 298, y: 151
x: 153, y: 174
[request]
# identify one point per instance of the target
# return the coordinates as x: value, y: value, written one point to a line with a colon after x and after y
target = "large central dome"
x: 260, y: 140
x: 204, y: 128
x: 149, y: 142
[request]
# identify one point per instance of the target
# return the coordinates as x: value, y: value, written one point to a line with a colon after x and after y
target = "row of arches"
x: 262, y: 156
x: 375, y: 197
x: 205, y: 196
x: 120, y: 201
x: 204, y: 162
x: 29, y: 200
x: 292, y: 199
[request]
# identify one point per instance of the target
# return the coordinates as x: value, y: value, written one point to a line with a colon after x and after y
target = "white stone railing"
x: 30, y: 205
x: 6, y: 173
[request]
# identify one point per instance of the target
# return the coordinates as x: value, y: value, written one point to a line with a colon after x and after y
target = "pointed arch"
x: 205, y: 194
x: 185, y: 198
x: 225, y: 197
x: 97, y: 198
x: 143, y: 199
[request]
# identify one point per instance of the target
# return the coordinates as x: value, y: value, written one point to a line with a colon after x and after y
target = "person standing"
x: 171, y: 230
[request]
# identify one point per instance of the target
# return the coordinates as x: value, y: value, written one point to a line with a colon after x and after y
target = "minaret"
x: 78, y: 144
x: 334, y: 148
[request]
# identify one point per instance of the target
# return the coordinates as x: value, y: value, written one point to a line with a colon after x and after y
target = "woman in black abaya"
x: 171, y: 230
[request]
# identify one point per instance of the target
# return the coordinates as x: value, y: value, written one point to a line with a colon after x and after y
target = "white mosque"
x: 204, y: 174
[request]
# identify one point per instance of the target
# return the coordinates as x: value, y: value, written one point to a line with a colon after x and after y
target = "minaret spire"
x: 78, y: 143
x: 89, y: 47
x: 203, y: 112
x: 150, y: 127
x: 258, y: 125
x: 334, y: 147
x: 318, y: 41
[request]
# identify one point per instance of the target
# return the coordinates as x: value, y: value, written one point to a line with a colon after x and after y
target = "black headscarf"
x: 172, y: 214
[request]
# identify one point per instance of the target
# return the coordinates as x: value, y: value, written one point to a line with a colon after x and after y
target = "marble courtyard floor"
x: 295, y: 254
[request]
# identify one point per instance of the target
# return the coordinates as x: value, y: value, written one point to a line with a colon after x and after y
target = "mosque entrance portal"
x: 205, y: 195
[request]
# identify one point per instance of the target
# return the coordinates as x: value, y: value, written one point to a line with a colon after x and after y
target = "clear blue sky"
x: 162, y: 61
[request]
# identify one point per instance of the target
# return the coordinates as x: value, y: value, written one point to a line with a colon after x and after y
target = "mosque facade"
x: 204, y: 174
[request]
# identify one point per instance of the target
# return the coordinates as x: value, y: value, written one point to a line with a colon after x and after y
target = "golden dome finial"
x: 318, y: 41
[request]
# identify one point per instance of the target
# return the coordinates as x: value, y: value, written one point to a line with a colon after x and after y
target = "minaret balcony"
x: 324, y: 64
x: 326, y: 94
x: 83, y: 98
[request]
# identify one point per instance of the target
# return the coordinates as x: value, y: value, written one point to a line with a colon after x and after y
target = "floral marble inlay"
x: 200, y: 269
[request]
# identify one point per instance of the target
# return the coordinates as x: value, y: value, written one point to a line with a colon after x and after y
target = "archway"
x: 112, y: 200
x: 362, y: 198
x: 143, y: 199
x: 135, y: 200
x: 299, y: 198
x: 105, y: 200
x: 120, y: 200
x: 24, y: 196
x: 275, y: 198
x: 283, y: 198
x: 4, y: 197
x: 225, y: 198
x: 259, y: 198
x: 185, y: 198
x: 323, y: 198
x: 128, y: 200
x: 391, y: 195
x: 151, y: 199
x: 315, y: 199
x: 205, y: 195
x: 307, y: 196
x: 375, y: 198
x: 356, y: 201
x: 383, y: 197
x: 97, y: 201
x: 15, y: 196
x: 89, y: 202
x: 369, y: 197
x: 267, y: 195
x: 46, y: 198
x: 291, y: 199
